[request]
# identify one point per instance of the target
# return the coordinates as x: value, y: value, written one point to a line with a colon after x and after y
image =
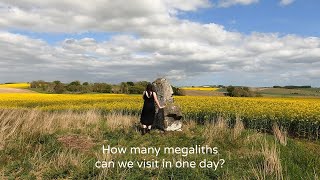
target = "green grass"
x: 40, y: 153
x: 38, y: 90
x: 282, y: 92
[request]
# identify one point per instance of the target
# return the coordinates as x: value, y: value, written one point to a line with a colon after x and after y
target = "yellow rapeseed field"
x: 71, y: 101
x: 16, y: 85
x: 298, y: 114
x: 305, y: 109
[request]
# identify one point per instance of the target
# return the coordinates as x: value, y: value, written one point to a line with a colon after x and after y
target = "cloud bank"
x: 151, y: 41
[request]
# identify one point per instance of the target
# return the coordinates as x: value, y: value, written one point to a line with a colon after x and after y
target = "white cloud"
x: 190, y: 5
x: 97, y: 15
x: 286, y: 2
x: 228, y: 3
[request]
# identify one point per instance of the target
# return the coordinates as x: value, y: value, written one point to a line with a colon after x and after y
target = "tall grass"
x: 281, y: 135
x: 116, y: 121
x: 271, y: 165
x: 215, y: 129
x: 29, y: 123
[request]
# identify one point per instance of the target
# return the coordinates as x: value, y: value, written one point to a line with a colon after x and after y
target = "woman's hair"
x: 149, y: 88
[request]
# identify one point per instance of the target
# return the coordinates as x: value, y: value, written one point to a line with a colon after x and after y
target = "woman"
x: 148, y: 111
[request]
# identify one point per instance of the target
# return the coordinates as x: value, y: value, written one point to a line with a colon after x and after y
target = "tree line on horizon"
x: 129, y: 87
x: 292, y: 87
x: 76, y: 87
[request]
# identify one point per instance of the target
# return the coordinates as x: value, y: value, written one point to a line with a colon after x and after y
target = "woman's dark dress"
x: 148, y: 111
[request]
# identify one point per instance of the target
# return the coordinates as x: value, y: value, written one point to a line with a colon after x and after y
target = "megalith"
x: 168, y: 118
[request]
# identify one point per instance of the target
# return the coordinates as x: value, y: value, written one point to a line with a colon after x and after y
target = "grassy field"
x: 282, y: 92
x: 66, y: 145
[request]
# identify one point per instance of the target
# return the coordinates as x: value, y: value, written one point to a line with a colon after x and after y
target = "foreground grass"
x: 63, y: 145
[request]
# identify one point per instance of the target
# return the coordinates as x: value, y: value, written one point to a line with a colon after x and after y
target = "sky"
x: 190, y: 42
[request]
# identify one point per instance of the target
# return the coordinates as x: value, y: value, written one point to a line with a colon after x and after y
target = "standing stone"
x: 168, y: 118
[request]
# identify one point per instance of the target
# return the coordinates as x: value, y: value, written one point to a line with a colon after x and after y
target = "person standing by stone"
x: 148, y: 111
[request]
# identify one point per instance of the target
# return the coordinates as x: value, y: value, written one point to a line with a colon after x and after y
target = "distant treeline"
x: 292, y: 87
x: 241, y: 92
x: 77, y: 87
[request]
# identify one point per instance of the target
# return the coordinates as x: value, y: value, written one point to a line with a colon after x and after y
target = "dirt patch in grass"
x: 202, y: 93
x: 81, y: 143
x: 15, y: 90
